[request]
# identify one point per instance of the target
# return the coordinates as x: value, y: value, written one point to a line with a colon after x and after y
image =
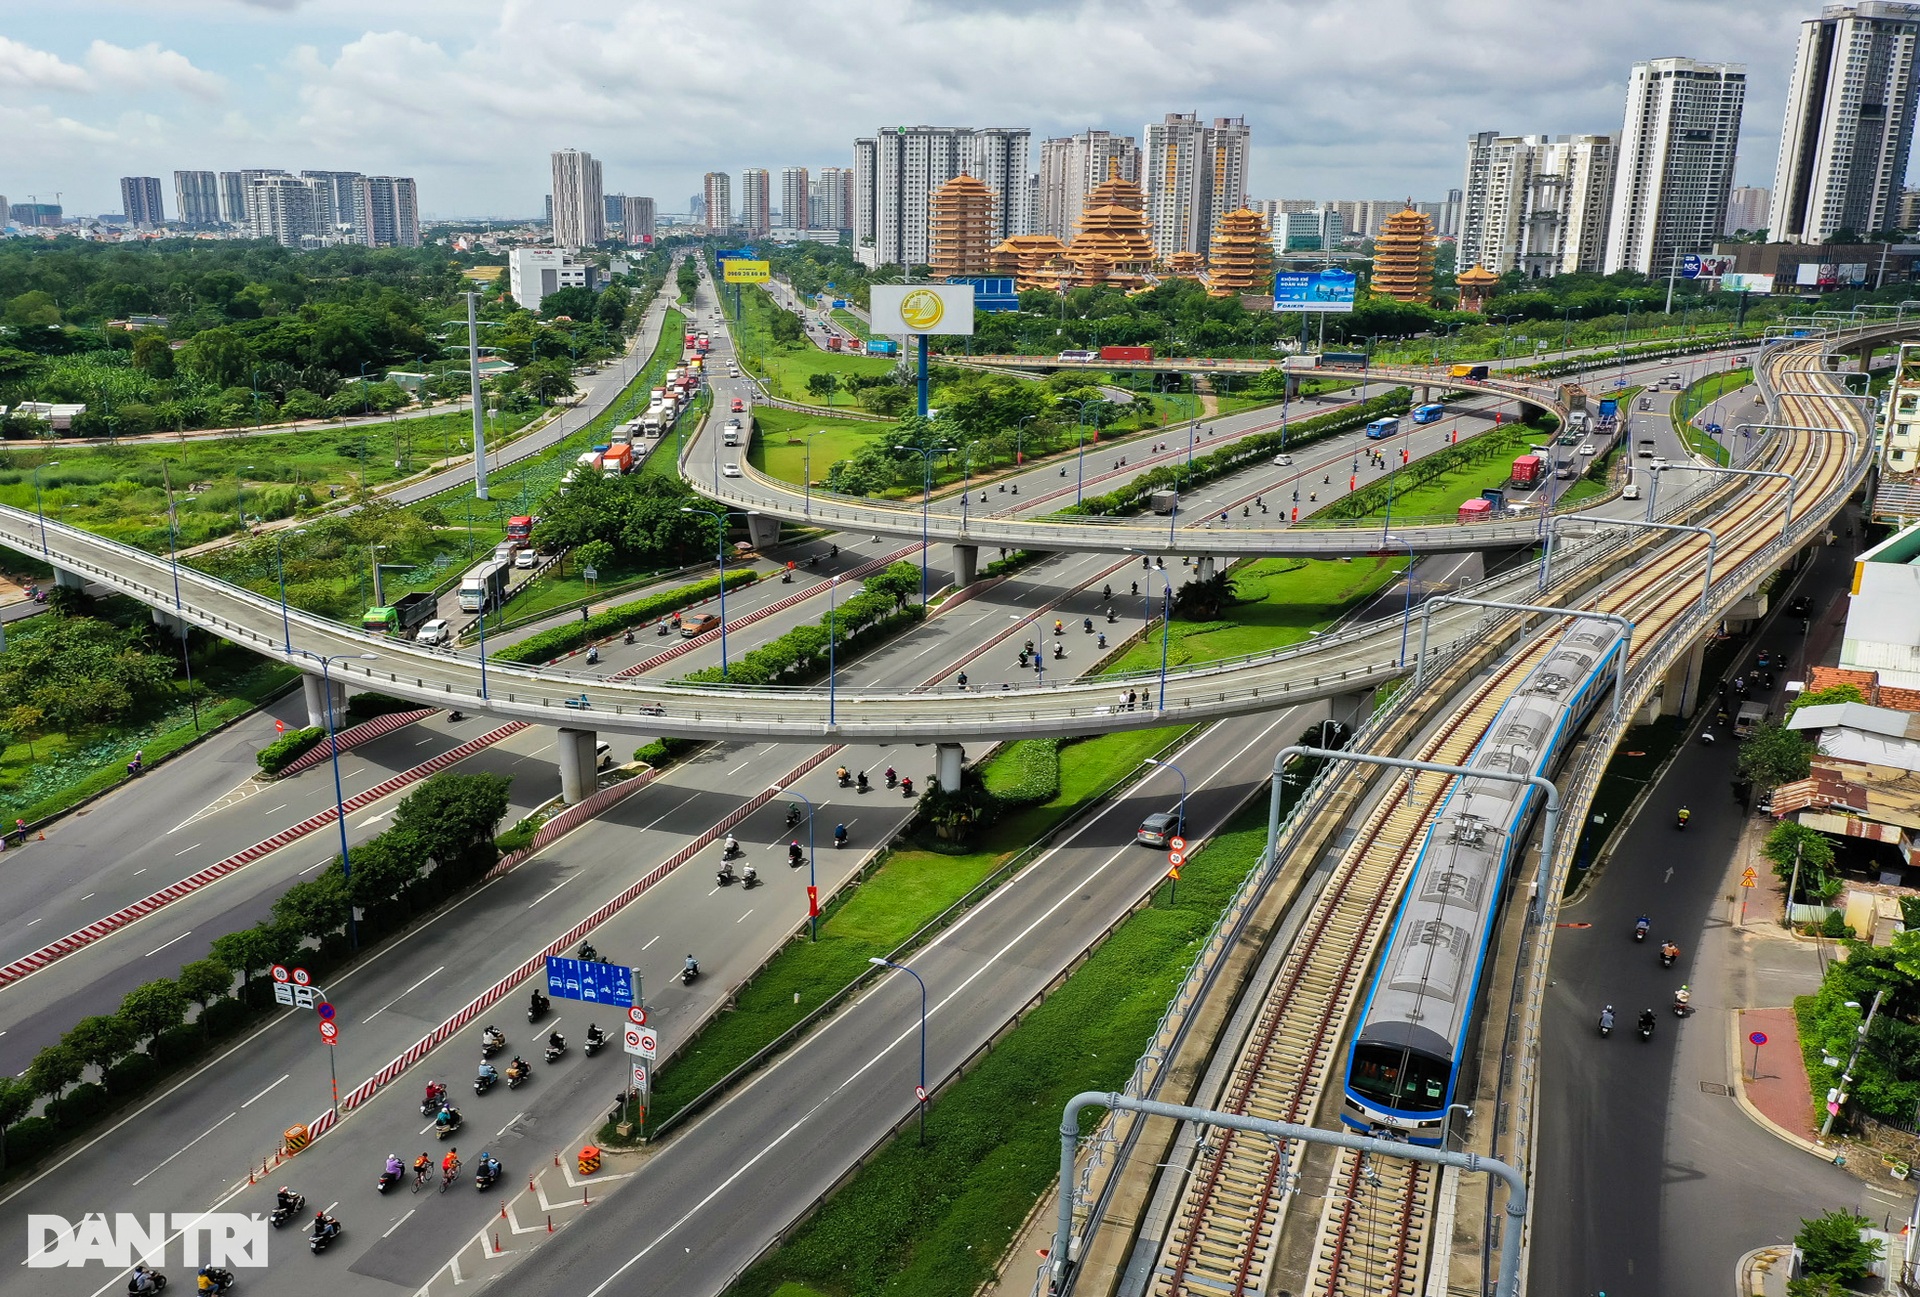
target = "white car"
x: 1589, y: 449
x: 1283, y: 460
x: 526, y: 558
x: 730, y: 470
x: 434, y: 632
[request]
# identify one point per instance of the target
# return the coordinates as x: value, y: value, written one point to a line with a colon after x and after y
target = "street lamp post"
x: 833, y: 604
x: 921, y: 1093
x: 808, y: 471
x: 1182, y: 813
x: 1839, y: 1093
x: 1080, y: 423
x: 813, y: 893
x: 38, y: 506
x: 280, y: 571
x: 1546, y: 514
x: 720, y: 559
x: 1406, y: 611
x: 339, y: 797
x: 926, y: 494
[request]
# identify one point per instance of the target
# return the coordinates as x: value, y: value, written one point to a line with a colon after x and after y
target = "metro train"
x: 1406, y: 1055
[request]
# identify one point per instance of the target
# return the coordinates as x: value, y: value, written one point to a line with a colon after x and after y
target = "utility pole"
x: 473, y: 382
x: 1838, y: 1095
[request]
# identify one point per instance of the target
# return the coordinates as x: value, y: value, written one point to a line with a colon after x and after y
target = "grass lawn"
x: 1701, y: 396
x: 1285, y: 599
x: 772, y: 454
x: 852, y: 323
x: 786, y: 369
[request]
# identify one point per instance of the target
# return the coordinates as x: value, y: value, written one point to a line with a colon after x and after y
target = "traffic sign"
x: 301, y: 977
x: 1174, y: 873
x: 1176, y: 858
x: 330, y: 1033
x: 920, y: 1093
x: 590, y: 980
x: 630, y: 1039
x: 296, y: 997
x: 1177, y: 843
x: 279, y: 727
x: 649, y: 1043
x: 1749, y: 878
x: 324, y: 1009
x: 1758, y: 1037
x: 639, y: 1076
x: 280, y: 973
x: 637, y: 1015
x: 813, y: 902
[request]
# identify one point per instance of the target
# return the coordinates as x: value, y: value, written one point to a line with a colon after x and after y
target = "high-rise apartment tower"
x: 1675, y: 165
x: 579, y: 211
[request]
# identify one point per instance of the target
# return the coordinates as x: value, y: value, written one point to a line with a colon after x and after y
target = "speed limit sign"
x: 637, y: 1015
x: 1176, y: 858
x: 1177, y: 843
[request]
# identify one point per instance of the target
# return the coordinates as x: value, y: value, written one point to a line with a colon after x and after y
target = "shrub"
x: 552, y: 642
x: 131, y: 1075
x: 279, y: 754
x: 1830, y: 1245
x: 661, y: 751
x: 30, y: 1139
x: 1025, y: 773
x: 364, y: 707
x: 82, y: 1104
x: 176, y: 1045
x: 1835, y: 925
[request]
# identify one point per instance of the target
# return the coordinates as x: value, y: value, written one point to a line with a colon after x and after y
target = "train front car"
x: 1405, y: 1059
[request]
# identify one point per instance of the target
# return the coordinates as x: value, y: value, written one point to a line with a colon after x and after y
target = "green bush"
x: 364, y: 707
x: 30, y: 1139
x: 176, y: 1045
x: 661, y: 751
x: 279, y: 754
x: 131, y: 1075
x: 554, y: 641
x: 877, y: 612
x: 1025, y: 773
x: 224, y: 1017
x: 81, y: 1105
x: 1830, y: 1245
x: 520, y: 835
x: 1835, y: 925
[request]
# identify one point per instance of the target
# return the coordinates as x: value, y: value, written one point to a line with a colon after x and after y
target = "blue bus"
x: 1381, y: 428
x: 1428, y: 413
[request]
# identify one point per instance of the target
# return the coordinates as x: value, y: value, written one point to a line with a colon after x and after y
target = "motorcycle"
x: 690, y: 974
x: 454, y: 1122
x: 1640, y: 929
x: 1646, y: 1025
x: 484, y: 1081
x: 556, y: 1051
x: 906, y: 787
x: 724, y: 874
x: 436, y: 1095
x: 486, y: 1174
x: 517, y: 1077
x: 1668, y: 954
x: 749, y: 879
x: 594, y: 1041
x: 456, y: 716
x: 860, y: 782
x: 1606, y: 1023
x: 840, y: 836
x: 318, y: 1243
x: 388, y: 1179
x: 593, y: 657
x: 221, y: 1281
x: 731, y: 850
x: 1682, y: 1002
x: 629, y: 636
x: 892, y: 778
x: 489, y: 1046
x: 538, y: 1008
x: 845, y: 778
x: 282, y: 1214
x: 159, y: 1283
x: 793, y: 816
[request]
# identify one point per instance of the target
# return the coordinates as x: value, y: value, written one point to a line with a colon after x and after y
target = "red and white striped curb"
x: 166, y: 896
x: 499, y: 990
x: 354, y: 737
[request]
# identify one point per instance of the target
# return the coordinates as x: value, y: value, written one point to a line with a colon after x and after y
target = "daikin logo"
x: 232, y: 1239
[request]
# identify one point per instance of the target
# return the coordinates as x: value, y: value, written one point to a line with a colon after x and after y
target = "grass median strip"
x: 934, y: 1221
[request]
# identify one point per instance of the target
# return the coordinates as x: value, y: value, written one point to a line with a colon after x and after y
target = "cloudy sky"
x: 1346, y: 98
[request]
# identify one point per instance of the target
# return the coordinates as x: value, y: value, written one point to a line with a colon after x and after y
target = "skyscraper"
x: 719, y: 199
x: 796, y: 199
x: 910, y: 162
x: 140, y: 200
x: 283, y: 208
x: 611, y: 205
x: 756, y: 202
x: 829, y: 205
x: 1849, y: 122
x: 334, y: 203
x: 1073, y: 165
x: 234, y: 192
x: 579, y: 215
x: 386, y: 212
x: 1194, y: 174
x: 1747, y: 209
x: 1536, y: 203
x: 1675, y: 162
x: 959, y: 216
x: 866, y: 198
x: 196, y: 196
x: 636, y: 220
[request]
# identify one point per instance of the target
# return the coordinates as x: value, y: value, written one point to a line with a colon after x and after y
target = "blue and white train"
x: 1406, y: 1055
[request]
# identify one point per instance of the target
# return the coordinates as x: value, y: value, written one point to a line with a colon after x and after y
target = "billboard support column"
x: 923, y: 376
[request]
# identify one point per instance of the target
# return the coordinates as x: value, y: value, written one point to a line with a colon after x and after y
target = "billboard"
x: 922, y: 308
x: 1734, y: 282
x: 991, y: 293
x: 1695, y: 266
x: 1829, y: 274
x: 745, y: 272
x: 1331, y: 289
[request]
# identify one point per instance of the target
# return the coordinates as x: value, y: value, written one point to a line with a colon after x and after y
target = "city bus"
x: 1381, y: 428
x: 1428, y: 413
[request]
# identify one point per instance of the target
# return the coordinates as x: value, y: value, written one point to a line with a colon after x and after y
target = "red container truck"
x: 1126, y: 353
x: 1527, y: 471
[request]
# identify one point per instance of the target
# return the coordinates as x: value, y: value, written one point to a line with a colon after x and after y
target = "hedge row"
x: 1229, y: 459
x: 1643, y: 351
x: 279, y: 754
x: 1370, y: 498
x: 551, y: 643
x: 876, y: 612
x: 1025, y: 773
x: 441, y: 842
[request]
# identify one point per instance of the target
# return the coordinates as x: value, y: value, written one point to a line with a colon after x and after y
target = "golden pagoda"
x: 959, y: 216
x: 1240, y: 260
x: 1186, y: 265
x: 1403, y: 257
x: 1034, y: 260
x: 1114, y: 245
x: 1475, y: 285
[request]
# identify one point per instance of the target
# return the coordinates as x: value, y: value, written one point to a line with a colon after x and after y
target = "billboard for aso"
x: 1331, y: 289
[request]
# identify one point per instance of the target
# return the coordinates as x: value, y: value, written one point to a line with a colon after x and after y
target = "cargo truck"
x: 618, y: 461
x: 406, y: 615
x: 484, y: 588
x: 1527, y: 472
x: 520, y: 529
x: 1467, y: 371
x: 1126, y: 353
x: 1343, y: 359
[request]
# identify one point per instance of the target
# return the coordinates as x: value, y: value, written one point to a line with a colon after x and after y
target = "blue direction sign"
x: 596, y: 983
x: 1690, y: 266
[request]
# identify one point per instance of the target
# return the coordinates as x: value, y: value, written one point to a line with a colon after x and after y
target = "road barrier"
x: 354, y: 737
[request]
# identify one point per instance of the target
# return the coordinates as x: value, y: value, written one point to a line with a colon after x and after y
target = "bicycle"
x: 421, y: 1170
x: 448, y: 1173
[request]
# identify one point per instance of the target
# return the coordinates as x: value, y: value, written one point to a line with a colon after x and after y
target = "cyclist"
x: 422, y: 1168
x: 449, y: 1167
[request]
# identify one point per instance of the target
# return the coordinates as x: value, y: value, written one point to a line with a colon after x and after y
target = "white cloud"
x: 23, y: 67
x: 148, y: 66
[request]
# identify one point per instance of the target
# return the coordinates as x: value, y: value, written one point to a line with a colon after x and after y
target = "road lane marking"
x: 36, y: 921
x: 643, y: 950
x: 281, y: 807
x: 140, y: 871
x: 189, y: 1144
x: 403, y: 1220
x: 743, y: 917
x: 403, y: 995
x: 551, y: 890
x: 310, y: 868
x: 89, y: 896
x: 263, y: 1094
x: 509, y: 1126
x: 671, y: 809
x: 162, y: 946
x: 195, y: 847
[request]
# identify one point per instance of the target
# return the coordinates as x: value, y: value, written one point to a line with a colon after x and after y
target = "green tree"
x: 1789, y: 841
x: 101, y: 1040
x: 205, y: 980
x: 218, y: 356
x: 575, y: 303
x: 316, y: 908
x: 1830, y: 1245
x: 247, y: 951
x: 16, y: 1101
x: 548, y: 381
x: 611, y: 309
x: 595, y: 554
x: 53, y: 1069
x: 36, y: 307
x: 787, y: 329
x: 1773, y: 755
x: 823, y: 385
x: 153, y: 354
x: 153, y: 1007
x: 1840, y: 693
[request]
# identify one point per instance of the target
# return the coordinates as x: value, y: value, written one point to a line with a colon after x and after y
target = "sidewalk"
x: 1776, y: 1093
